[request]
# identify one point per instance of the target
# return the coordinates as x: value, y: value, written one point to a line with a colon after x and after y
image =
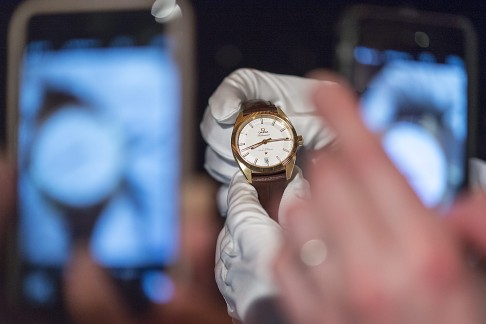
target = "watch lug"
x: 300, y: 140
x: 248, y: 176
x: 240, y: 115
x: 280, y: 112
x: 246, y: 171
x: 289, y: 168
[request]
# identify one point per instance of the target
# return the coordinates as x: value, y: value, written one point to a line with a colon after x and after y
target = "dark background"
x: 280, y: 36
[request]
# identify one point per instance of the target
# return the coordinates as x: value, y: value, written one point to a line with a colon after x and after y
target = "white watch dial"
x: 265, y: 141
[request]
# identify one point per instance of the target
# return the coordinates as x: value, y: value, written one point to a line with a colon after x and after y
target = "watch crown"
x: 300, y: 140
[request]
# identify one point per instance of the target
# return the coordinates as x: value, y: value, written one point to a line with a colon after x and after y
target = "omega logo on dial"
x: 265, y: 141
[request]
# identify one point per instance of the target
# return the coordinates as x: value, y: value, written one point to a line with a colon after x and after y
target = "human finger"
x: 296, y: 300
x: 360, y: 243
x: 378, y: 275
x: 307, y: 270
x: 345, y: 208
x: 394, y: 200
x: 300, y: 303
x: 327, y: 75
x: 422, y: 242
x: 90, y: 297
x: 297, y: 191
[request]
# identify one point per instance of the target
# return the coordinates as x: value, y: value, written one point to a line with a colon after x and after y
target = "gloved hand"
x: 249, y: 242
x: 292, y: 94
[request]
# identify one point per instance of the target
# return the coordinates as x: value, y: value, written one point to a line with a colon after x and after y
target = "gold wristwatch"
x: 264, y: 144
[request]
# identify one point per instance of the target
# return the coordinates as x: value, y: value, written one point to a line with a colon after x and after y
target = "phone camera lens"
x: 422, y: 39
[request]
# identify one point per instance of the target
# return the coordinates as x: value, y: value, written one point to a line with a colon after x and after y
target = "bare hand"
x: 373, y: 253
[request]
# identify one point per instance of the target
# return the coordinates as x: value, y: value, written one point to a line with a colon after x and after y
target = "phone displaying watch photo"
x: 96, y: 130
x: 415, y: 74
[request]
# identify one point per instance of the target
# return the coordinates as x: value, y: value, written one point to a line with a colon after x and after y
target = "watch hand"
x: 265, y: 141
x: 278, y: 139
x: 251, y: 147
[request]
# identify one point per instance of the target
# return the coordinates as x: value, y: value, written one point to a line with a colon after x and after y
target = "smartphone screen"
x: 98, y: 142
x: 412, y: 76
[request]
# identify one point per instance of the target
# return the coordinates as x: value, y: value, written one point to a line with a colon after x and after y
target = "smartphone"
x: 98, y: 116
x: 415, y: 73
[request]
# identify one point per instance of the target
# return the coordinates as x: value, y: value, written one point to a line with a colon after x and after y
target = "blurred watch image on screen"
x: 98, y: 159
x: 419, y: 106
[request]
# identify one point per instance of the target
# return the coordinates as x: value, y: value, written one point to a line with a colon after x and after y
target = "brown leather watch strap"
x: 257, y: 105
x: 270, y: 188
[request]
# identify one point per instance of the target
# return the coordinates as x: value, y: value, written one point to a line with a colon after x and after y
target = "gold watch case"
x: 249, y: 169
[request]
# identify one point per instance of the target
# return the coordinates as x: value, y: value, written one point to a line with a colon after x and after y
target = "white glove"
x: 292, y: 94
x: 477, y: 174
x: 249, y: 242
x: 165, y: 10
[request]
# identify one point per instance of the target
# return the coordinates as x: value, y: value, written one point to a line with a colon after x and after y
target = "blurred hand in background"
x: 365, y: 249
x: 90, y: 295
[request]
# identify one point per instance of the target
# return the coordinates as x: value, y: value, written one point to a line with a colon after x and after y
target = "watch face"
x: 265, y: 141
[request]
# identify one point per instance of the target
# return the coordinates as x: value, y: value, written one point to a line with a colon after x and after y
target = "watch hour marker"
x: 256, y: 160
x: 267, y: 161
x: 246, y: 154
x: 261, y: 121
x: 278, y: 158
x: 241, y: 144
x: 274, y: 121
x: 250, y: 125
x: 286, y: 150
x: 283, y: 129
